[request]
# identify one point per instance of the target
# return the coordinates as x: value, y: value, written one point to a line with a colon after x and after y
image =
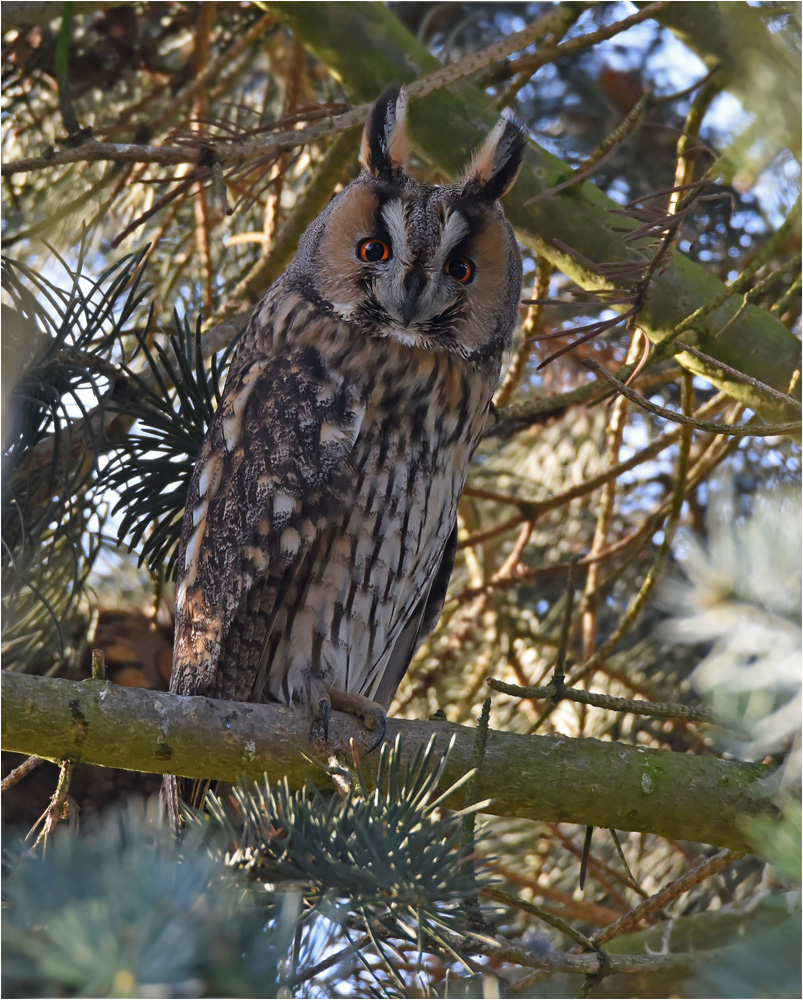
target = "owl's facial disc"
x: 425, y: 266
x: 418, y: 292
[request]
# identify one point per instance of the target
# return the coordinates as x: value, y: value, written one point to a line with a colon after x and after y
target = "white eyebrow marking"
x: 455, y: 229
x: 393, y: 217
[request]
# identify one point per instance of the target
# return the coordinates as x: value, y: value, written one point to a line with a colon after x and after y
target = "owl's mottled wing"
x: 420, y: 624
x: 269, y: 478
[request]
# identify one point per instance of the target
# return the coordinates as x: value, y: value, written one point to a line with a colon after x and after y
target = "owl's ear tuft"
x: 495, y: 167
x: 384, y: 145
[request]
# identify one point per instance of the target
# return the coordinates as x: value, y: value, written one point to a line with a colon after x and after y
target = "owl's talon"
x: 324, y: 706
x: 383, y: 728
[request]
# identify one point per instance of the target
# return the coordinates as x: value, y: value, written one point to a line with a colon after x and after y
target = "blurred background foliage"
x: 125, y: 284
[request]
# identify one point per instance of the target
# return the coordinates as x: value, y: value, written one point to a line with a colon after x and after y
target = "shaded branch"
x: 712, y: 426
x: 665, y: 896
x: 549, y: 778
x: 556, y: 692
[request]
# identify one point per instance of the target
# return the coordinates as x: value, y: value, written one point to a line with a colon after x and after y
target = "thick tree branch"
x: 548, y: 778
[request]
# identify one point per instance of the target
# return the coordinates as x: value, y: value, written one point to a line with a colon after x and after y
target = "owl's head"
x: 436, y: 268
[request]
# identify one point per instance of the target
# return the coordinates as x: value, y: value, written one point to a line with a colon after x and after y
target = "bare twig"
x: 661, y: 899
x: 637, y: 603
x: 509, y: 899
x: 565, y: 627
x: 607, y: 503
x: 98, y: 665
x: 633, y: 706
x: 58, y: 807
x: 735, y: 430
x: 518, y: 366
x: 11, y: 779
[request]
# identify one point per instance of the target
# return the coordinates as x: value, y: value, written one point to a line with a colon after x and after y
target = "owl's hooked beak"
x: 414, y: 285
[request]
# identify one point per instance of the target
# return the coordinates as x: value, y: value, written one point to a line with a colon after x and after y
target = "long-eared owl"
x: 320, y: 531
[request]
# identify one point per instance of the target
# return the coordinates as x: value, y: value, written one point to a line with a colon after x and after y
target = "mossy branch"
x: 547, y: 778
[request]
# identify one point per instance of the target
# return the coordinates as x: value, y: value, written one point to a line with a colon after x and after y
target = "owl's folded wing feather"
x: 269, y: 478
x: 419, y: 625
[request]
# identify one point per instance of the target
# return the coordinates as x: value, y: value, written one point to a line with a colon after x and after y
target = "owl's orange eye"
x: 373, y: 250
x: 459, y: 268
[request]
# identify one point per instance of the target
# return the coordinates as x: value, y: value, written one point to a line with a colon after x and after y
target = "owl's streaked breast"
x: 392, y: 510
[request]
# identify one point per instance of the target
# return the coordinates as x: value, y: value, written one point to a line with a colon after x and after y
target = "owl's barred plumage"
x: 320, y: 528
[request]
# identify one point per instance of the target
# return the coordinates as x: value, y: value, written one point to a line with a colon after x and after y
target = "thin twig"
x: 565, y: 627
x: 28, y: 765
x: 56, y: 810
x: 476, y: 920
x: 632, y: 706
x: 757, y: 289
x: 684, y: 168
x: 734, y: 430
x: 509, y: 899
x: 666, y: 895
x: 636, y: 605
x: 518, y: 366
x: 339, y: 956
x: 473, y: 786
x: 738, y: 376
x: 98, y: 665
x: 501, y: 71
x: 203, y: 221
x: 605, y: 510
x: 62, y: 60
x: 791, y: 297
x: 483, y: 536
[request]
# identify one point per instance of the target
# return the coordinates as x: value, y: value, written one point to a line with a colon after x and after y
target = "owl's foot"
x: 372, y: 715
x: 325, y: 707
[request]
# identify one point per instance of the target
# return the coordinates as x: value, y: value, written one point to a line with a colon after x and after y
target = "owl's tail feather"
x: 174, y: 790
x: 171, y: 801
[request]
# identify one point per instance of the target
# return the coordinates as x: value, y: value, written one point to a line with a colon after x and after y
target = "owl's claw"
x: 383, y: 728
x: 325, y: 707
